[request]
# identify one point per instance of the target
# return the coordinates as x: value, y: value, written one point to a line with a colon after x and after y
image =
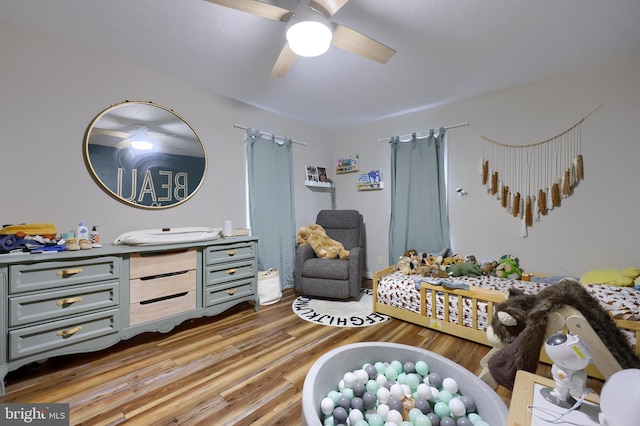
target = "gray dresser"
x: 81, y: 301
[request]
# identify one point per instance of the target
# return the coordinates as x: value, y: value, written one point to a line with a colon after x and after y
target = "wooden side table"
x: 523, y: 396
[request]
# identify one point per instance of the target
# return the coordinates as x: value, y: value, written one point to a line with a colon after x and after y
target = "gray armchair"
x: 333, y: 278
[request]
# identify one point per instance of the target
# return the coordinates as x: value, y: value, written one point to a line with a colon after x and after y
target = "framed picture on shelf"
x: 349, y: 164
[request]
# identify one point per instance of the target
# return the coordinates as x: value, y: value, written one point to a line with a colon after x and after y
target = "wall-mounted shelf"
x: 347, y: 169
x: 370, y: 186
x: 317, y: 184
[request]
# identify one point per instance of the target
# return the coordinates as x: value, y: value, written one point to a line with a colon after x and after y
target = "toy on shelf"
x: 371, y: 180
x: 348, y: 165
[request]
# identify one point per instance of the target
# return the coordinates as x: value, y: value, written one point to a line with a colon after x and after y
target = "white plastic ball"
x: 424, y: 391
x: 450, y: 384
x: 383, y: 395
x: 397, y: 391
x: 349, y: 379
x: 383, y: 410
x: 435, y: 394
x: 394, y: 416
x: 406, y: 389
x: 361, y: 376
x: 341, y: 385
x: 326, y: 406
x: 457, y: 407
x: 381, y: 379
x: 355, y: 415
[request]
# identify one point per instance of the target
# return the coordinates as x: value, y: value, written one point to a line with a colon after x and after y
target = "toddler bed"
x: 465, y: 312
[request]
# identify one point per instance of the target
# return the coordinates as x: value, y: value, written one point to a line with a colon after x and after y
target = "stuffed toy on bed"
x: 519, y: 326
x: 323, y: 246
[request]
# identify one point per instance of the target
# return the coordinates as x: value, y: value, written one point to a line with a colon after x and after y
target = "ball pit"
x: 327, y: 375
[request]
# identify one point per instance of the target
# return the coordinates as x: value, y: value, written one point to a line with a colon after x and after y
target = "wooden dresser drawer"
x: 154, y: 264
x: 54, y: 335
x: 231, y: 252
x: 230, y: 271
x: 154, y: 309
x: 49, y: 275
x: 142, y: 289
x: 231, y: 291
x: 56, y: 304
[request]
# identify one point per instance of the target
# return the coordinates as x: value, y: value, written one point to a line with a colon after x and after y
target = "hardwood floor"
x: 239, y: 368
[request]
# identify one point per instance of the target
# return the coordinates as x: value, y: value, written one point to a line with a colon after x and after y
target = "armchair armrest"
x: 303, y: 253
x: 356, y: 264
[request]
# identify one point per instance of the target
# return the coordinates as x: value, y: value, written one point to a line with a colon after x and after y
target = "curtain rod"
x: 238, y: 126
x: 453, y: 126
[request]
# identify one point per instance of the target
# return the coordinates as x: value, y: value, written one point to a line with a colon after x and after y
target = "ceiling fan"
x: 316, y: 13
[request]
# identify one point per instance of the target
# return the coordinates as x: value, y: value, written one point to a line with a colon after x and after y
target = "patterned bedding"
x: 402, y: 291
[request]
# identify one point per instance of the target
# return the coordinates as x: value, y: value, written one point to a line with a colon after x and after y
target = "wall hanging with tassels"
x: 529, y: 180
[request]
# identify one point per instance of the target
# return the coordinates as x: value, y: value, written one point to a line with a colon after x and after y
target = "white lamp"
x: 308, y: 32
x: 140, y: 141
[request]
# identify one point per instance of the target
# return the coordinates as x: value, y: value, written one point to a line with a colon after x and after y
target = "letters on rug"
x: 349, y: 313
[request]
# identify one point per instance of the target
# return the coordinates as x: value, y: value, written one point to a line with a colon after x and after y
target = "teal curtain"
x: 419, y: 218
x: 271, y: 211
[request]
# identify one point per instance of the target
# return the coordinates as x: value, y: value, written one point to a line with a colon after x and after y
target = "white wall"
x: 595, y: 227
x: 51, y: 92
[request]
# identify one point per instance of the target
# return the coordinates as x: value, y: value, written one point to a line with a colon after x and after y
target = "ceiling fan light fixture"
x: 309, y: 33
x: 141, y: 145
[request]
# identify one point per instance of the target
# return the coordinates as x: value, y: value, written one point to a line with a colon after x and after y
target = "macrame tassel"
x: 505, y: 195
x: 555, y: 194
x: 566, y: 183
x: 500, y: 190
x: 542, y: 202
x: 485, y: 172
x: 536, y: 212
x: 528, y: 215
x: 515, y: 208
x: 580, y: 168
x: 522, y: 208
x: 549, y: 199
x: 510, y: 203
x: 494, y: 183
x: 523, y: 231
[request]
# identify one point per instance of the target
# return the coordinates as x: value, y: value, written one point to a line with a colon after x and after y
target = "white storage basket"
x: 269, y: 286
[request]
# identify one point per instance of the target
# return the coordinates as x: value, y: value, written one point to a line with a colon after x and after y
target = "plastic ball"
x: 344, y: 402
x: 390, y: 373
x: 394, y: 416
x: 358, y: 389
x: 382, y: 379
x: 334, y: 395
x: 371, y: 370
x: 457, y: 407
x: 329, y: 421
x: 402, y: 378
x: 475, y: 418
x: 469, y: 403
x: 355, y: 415
x: 435, y: 394
x: 397, y: 391
x: 445, y: 396
x: 380, y: 367
x: 413, y: 413
x: 423, y: 405
x: 348, y: 392
x: 383, y: 410
x: 369, y: 400
x: 435, y: 420
x: 375, y: 420
x: 424, y: 391
x: 409, y: 367
x: 422, y: 420
x: 383, y: 395
x: 361, y: 422
x: 372, y: 386
x: 349, y: 379
x: 340, y: 415
x: 435, y: 380
x: 441, y: 409
x: 361, y: 376
x: 422, y: 368
x: 450, y: 384
x: 413, y: 381
x: 327, y: 405
x: 397, y: 365
x: 447, y: 421
x: 406, y: 423
x: 395, y: 404
x: 463, y: 421
x: 357, y: 403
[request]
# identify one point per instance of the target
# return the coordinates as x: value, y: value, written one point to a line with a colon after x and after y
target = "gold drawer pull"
x: 69, y: 301
x: 69, y: 272
x: 231, y: 271
x: 232, y: 291
x: 67, y: 333
x: 231, y: 252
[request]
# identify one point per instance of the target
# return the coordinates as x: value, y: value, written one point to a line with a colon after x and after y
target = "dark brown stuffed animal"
x: 524, y: 317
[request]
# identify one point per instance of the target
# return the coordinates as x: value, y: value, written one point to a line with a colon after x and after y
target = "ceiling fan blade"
x: 256, y: 8
x: 109, y: 132
x: 328, y: 7
x: 355, y: 42
x: 284, y: 62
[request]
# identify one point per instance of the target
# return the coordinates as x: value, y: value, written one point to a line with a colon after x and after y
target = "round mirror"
x: 145, y: 155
